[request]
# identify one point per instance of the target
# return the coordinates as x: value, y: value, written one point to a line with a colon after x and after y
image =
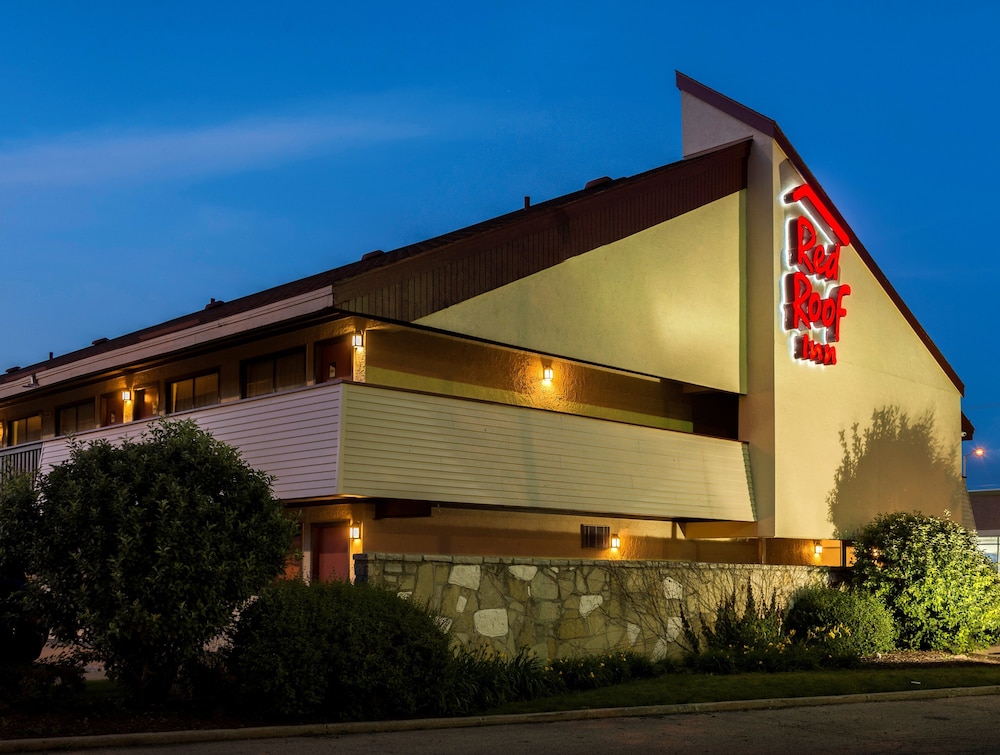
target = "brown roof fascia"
x: 514, y: 246
x: 770, y: 128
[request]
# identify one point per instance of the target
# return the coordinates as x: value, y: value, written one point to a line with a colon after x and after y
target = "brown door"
x: 331, y: 551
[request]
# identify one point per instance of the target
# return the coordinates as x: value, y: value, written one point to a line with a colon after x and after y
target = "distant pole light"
x: 979, y: 452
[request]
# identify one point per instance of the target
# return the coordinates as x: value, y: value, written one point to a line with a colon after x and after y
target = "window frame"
x: 192, y: 378
x: 247, y: 364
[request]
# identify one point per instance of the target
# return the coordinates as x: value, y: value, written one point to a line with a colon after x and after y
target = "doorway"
x: 331, y: 551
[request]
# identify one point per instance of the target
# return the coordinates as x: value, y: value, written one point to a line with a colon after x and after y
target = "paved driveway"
x: 943, y: 725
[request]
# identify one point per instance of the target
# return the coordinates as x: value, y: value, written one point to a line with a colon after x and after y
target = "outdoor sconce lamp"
x: 547, y: 373
x: 616, y: 542
x: 818, y: 549
x: 355, y: 531
x: 357, y: 340
x: 126, y: 395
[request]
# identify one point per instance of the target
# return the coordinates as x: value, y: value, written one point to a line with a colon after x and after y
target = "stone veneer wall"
x: 562, y: 608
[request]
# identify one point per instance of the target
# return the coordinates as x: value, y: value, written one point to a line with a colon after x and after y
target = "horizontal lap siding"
x: 399, y: 444
x: 293, y: 436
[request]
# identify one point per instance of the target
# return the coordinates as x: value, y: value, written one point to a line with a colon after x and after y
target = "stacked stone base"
x: 561, y: 608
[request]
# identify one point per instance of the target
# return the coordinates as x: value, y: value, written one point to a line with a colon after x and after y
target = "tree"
x: 145, y: 549
x: 22, y: 637
x: 942, y: 590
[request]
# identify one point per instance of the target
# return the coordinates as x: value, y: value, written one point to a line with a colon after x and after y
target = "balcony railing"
x: 23, y: 459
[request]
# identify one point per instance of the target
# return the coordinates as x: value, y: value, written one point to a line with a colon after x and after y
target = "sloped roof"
x: 770, y: 128
x: 415, y: 280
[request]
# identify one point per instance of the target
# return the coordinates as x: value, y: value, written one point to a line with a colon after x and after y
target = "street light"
x: 979, y: 452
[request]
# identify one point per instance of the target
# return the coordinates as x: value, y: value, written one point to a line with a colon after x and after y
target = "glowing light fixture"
x: 616, y: 542
x: 547, y: 373
x: 358, y: 340
x: 818, y: 550
x: 355, y: 531
x: 126, y: 395
x: 979, y: 452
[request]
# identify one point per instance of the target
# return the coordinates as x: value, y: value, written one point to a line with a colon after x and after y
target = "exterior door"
x: 331, y: 551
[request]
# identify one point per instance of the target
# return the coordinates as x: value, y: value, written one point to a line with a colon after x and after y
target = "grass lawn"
x: 691, y: 688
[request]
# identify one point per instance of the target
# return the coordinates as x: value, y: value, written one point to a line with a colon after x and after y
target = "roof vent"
x: 372, y: 255
x: 13, y: 369
x: 598, y: 182
x: 98, y: 341
x: 214, y: 303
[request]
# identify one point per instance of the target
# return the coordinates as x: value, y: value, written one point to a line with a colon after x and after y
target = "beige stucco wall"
x: 882, y: 366
x: 793, y: 412
x: 666, y: 302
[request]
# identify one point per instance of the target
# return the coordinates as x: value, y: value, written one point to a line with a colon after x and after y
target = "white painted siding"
x: 391, y: 443
x: 398, y: 444
x: 294, y: 436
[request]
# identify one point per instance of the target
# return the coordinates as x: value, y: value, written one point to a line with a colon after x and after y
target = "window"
x: 593, y: 536
x: 76, y: 418
x: 194, y: 392
x: 24, y: 430
x: 280, y: 372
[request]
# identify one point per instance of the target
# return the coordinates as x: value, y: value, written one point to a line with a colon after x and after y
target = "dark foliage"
x: 340, y: 651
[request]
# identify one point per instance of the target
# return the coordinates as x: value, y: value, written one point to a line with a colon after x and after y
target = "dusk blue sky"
x: 156, y: 155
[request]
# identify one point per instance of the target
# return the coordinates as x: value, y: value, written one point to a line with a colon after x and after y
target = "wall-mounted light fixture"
x: 616, y: 542
x: 358, y: 340
x: 547, y: 373
x: 355, y: 531
x: 818, y: 549
x: 126, y: 395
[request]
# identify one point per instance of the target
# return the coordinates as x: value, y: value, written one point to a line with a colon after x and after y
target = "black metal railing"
x: 22, y: 459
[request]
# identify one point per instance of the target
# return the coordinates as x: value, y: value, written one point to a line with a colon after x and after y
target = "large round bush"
x: 856, y: 623
x: 943, y: 592
x: 340, y: 650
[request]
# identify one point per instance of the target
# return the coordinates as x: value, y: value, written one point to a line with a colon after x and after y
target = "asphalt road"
x: 942, y: 725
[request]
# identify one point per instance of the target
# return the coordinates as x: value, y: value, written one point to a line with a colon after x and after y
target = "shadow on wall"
x: 894, y: 464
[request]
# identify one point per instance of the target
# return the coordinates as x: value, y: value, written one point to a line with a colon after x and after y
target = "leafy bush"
x: 144, y: 550
x: 755, y: 639
x: 943, y: 592
x: 847, y: 623
x: 341, y: 651
x: 733, y: 628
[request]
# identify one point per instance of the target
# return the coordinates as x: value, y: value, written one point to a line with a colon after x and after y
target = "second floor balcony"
x: 344, y: 439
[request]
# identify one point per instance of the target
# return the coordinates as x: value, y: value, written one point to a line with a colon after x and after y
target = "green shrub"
x: 341, y: 651
x: 943, y: 592
x: 755, y: 639
x: 735, y: 629
x: 847, y: 623
x: 144, y: 550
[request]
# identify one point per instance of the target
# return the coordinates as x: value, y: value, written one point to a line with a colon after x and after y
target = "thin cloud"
x: 102, y: 158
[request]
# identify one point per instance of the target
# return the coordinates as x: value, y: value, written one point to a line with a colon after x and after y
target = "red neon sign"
x: 813, y: 308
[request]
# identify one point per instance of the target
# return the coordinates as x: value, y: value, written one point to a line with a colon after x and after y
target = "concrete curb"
x: 370, y: 727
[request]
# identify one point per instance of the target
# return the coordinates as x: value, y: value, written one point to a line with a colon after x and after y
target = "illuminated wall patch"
x: 813, y: 298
